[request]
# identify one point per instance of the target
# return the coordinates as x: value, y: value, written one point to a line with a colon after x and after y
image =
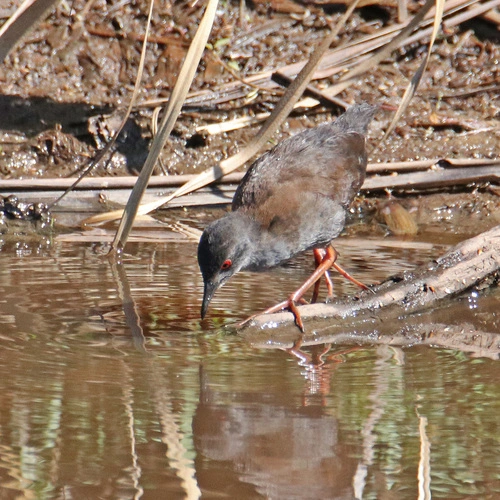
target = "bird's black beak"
x: 208, y: 293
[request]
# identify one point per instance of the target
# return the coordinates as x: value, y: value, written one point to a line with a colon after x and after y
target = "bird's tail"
x: 356, y: 118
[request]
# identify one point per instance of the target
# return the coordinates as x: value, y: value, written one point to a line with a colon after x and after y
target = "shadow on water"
x: 111, y: 387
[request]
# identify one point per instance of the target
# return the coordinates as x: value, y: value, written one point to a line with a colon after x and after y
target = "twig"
x: 460, y: 170
x: 339, y: 59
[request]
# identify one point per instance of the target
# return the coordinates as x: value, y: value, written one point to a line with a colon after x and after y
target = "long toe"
x: 270, y: 310
x: 286, y: 304
x: 296, y: 315
x: 346, y: 275
x: 291, y: 305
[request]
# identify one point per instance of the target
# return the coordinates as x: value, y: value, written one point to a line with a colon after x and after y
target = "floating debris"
x: 13, y: 209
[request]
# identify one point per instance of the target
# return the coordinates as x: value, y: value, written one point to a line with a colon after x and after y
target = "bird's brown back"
x: 322, y: 162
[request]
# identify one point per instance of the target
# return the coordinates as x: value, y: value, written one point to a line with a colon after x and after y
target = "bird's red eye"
x: 226, y: 264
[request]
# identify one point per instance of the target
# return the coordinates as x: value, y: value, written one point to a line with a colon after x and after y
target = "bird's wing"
x: 330, y: 164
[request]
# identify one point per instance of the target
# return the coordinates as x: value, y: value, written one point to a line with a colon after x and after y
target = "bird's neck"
x: 267, y: 250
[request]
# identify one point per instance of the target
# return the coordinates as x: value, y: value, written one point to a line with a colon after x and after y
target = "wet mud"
x: 64, y: 88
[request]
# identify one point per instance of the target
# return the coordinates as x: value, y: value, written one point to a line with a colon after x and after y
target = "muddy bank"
x: 63, y: 88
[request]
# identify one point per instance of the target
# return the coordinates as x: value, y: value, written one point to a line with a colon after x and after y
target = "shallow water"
x: 111, y: 387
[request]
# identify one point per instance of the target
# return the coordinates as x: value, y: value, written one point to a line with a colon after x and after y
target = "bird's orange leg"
x: 319, y: 255
x: 328, y: 259
x: 290, y: 303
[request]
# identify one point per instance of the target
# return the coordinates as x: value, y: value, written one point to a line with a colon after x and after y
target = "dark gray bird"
x: 292, y: 199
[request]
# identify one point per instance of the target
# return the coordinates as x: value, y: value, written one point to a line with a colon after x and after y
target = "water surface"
x: 111, y: 387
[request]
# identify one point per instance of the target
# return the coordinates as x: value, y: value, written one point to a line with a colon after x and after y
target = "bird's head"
x: 225, y: 247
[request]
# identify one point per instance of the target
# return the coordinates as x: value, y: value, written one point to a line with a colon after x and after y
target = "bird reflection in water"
x: 319, y: 365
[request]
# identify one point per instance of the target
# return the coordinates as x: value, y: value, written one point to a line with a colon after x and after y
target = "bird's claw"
x: 289, y: 304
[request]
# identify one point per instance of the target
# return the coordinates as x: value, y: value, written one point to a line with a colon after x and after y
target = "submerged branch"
x: 465, y: 265
x: 463, y: 337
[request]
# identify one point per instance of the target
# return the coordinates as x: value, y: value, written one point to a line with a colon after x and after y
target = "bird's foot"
x: 324, y: 260
x: 346, y: 275
x: 290, y: 304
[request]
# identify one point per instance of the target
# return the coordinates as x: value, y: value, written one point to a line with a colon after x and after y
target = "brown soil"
x: 59, y: 86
